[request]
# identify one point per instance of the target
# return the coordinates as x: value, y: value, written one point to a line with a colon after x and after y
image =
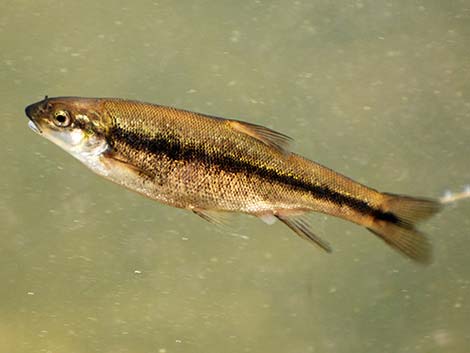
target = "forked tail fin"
x: 397, y: 227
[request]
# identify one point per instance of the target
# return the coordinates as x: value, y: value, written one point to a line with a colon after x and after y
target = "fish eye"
x: 61, y: 119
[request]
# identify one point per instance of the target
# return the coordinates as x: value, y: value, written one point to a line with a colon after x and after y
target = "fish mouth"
x: 32, y: 124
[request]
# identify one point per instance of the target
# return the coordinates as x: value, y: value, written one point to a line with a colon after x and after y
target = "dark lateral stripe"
x: 172, y: 147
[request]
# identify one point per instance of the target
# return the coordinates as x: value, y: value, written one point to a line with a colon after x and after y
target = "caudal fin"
x: 398, y: 226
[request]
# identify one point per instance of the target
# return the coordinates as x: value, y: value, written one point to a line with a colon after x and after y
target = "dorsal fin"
x: 267, y: 136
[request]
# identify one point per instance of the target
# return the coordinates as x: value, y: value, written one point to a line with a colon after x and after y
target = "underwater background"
x: 376, y: 90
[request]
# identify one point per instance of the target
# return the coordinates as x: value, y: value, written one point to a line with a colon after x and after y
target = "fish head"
x: 77, y: 125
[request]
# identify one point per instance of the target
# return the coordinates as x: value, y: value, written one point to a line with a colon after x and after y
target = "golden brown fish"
x: 210, y: 165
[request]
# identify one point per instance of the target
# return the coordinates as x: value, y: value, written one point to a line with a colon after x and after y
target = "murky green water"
x: 378, y: 90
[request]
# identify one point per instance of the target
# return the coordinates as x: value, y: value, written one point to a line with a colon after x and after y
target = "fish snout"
x: 32, y: 112
x: 29, y: 110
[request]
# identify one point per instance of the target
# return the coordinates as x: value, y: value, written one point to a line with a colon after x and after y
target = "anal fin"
x: 302, y: 228
x: 216, y: 217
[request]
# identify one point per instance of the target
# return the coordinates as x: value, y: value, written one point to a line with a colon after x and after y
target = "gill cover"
x: 74, y: 124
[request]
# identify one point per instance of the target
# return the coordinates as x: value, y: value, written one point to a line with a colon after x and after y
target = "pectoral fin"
x: 267, y: 136
x: 117, y: 161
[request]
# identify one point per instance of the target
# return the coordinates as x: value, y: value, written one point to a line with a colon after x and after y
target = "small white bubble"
x: 447, y: 195
x: 235, y: 36
x: 442, y: 337
x: 393, y: 53
x: 268, y: 255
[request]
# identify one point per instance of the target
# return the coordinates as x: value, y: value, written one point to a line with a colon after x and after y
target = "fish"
x: 212, y: 165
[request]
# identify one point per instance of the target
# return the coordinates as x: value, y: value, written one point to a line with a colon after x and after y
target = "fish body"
x: 211, y: 165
